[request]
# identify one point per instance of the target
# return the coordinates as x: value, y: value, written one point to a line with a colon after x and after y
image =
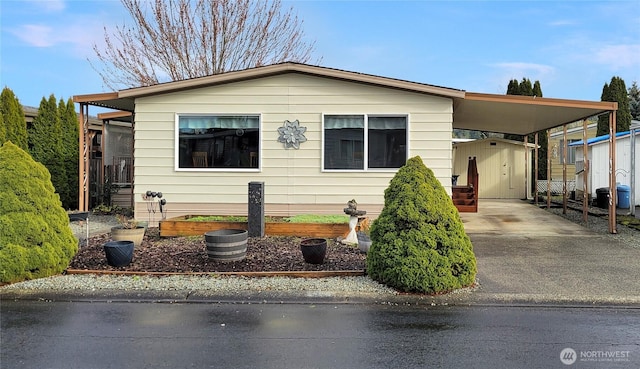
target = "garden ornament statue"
x: 354, y: 216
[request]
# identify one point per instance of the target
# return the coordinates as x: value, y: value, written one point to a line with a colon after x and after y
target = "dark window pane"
x: 218, y: 141
x: 344, y: 142
x: 387, y: 142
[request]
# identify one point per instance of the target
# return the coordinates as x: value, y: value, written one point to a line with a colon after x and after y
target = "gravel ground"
x: 223, y: 284
x: 600, y: 224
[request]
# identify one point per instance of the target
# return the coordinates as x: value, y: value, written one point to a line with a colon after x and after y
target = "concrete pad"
x: 517, y: 218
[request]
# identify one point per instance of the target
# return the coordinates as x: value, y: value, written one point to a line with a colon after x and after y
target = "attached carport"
x: 524, y: 115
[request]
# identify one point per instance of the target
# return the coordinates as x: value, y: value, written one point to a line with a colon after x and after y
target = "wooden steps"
x: 465, y: 198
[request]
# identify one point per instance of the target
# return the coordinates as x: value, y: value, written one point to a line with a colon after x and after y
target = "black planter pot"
x: 314, y: 250
x: 78, y: 216
x: 118, y: 253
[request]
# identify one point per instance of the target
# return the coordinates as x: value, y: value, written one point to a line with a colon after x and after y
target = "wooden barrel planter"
x: 118, y: 253
x: 226, y: 244
x: 313, y: 250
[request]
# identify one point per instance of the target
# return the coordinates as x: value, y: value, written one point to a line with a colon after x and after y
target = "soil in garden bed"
x: 188, y: 254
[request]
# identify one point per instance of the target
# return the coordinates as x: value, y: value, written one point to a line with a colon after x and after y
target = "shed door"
x: 496, y: 172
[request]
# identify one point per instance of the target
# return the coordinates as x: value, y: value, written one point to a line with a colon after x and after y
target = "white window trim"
x: 176, y: 146
x: 366, y: 144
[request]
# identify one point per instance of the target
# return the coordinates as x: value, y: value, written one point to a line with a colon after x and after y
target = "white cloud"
x: 79, y: 35
x: 562, y: 23
x: 35, y: 35
x: 52, y: 6
x: 619, y: 56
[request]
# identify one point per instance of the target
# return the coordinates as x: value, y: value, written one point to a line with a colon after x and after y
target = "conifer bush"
x: 419, y: 242
x: 35, y: 238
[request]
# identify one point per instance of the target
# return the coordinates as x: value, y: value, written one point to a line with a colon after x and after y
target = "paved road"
x: 152, y: 335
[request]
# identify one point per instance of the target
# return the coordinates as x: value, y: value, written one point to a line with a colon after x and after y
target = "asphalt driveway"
x: 528, y: 255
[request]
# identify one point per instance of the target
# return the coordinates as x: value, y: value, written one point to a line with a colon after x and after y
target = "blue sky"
x: 571, y: 47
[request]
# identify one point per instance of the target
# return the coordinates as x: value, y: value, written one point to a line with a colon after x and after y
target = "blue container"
x: 118, y: 253
x: 624, y: 193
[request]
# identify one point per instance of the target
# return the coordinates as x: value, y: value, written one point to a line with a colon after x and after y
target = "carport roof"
x: 475, y: 111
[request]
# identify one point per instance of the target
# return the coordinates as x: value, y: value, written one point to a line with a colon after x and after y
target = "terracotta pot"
x: 314, y: 250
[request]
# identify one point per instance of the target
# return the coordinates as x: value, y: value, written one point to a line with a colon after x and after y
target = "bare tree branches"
x: 173, y: 40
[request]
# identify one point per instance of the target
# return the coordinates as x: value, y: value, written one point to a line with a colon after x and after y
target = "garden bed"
x: 186, y: 226
x: 265, y: 256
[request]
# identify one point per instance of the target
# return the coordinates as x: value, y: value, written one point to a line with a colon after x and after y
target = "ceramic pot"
x: 314, y: 250
x: 364, y: 242
x: 118, y: 253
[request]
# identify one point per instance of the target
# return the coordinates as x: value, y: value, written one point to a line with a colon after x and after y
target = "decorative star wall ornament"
x: 292, y: 134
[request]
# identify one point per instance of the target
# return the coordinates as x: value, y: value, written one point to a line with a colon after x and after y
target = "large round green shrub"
x: 35, y: 238
x: 419, y: 242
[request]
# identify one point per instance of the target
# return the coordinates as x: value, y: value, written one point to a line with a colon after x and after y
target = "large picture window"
x: 360, y: 142
x: 218, y: 141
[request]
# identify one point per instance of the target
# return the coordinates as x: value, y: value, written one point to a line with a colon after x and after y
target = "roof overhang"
x: 109, y: 100
x: 521, y: 114
x: 474, y: 111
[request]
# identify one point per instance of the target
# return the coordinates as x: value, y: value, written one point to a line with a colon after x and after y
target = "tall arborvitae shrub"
x: 35, y: 238
x: 70, y: 146
x: 46, y: 144
x: 615, y: 91
x: 15, y: 126
x: 419, y: 242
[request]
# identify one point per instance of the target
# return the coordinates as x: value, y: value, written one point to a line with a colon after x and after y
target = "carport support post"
x: 548, y: 172
x: 564, y: 169
x: 535, y: 171
x: 255, y: 218
x: 83, y: 167
x: 612, y: 172
x: 527, y: 186
x: 632, y: 193
x: 585, y: 173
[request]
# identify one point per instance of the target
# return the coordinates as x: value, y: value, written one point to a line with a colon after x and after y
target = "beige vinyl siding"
x: 293, y: 179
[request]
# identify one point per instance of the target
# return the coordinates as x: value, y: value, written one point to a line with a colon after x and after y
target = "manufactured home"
x: 316, y: 137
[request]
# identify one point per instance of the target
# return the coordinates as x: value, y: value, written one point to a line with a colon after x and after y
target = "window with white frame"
x: 359, y: 142
x: 218, y: 141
